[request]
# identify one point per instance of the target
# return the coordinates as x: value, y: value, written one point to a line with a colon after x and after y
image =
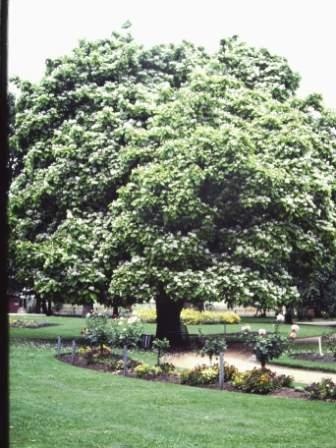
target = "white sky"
x: 303, y: 31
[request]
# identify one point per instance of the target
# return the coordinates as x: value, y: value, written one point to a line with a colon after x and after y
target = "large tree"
x: 171, y: 175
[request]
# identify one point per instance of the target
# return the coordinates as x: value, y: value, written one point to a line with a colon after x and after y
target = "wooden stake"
x: 221, y: 370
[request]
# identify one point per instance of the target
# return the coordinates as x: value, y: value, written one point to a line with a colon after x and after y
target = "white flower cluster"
x: 280, y: 318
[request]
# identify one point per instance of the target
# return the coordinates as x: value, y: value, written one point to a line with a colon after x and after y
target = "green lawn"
x: 69, y: 327
x: 56, y: 405
x: 286, y: 360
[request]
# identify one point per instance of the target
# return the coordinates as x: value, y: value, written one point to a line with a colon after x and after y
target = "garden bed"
x: 31, y: 324
x: 108, y: 365
x: 313, y: 356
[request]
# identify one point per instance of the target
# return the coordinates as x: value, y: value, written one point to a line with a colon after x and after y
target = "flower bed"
x: 256, y: 381
x: 22, y: 323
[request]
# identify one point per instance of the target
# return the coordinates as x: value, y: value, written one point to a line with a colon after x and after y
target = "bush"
x: 324, y: 390
x: 194, y: 317
x: 147, y: 315
x: 260, y: 381
x: 200, y: 375
x: 21, y: 323
x: 229, y: 371
x: 146, y: 371
x: 331, y: 344
x: 166, y: 368
x: 125, y: 332
x: 161, y: 346
x: 266, y: 346
x: 203, y: 374
x: 283, y: 381
x: 97, y: 331
x: 213, y: 347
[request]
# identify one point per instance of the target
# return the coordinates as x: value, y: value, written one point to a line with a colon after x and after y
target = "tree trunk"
x: 115, y: 312
x: 289, y: 315
x: 38, y: 305
x: 200, y: 306
x: 168, y: 320
x: 49, y: 308
x: 44, y: 307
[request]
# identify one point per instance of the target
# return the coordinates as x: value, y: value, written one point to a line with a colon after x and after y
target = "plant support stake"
x: 59, y: 345
x: 221, y: 370
x: 320, y: 345
x: 125, y: 359
x: 73, y: 351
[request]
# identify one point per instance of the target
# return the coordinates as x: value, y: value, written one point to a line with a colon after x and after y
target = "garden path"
x: 244, y: 360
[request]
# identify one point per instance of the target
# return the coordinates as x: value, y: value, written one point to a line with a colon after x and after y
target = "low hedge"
x: 194, y: 317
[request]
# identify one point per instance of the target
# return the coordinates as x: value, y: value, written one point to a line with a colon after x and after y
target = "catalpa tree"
x: 172, y: 175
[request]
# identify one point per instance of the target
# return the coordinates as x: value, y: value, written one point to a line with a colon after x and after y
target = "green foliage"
x: 166, y: 368
x: 204, y: 374
x: 97, y: 331
x: 193, y: 317
x: 147, y: 315
x: 267, y: 346
x: 330, y: 341
x: 200, y: 375
x: 21, y: 323
x: 213, y: 347
x: 125, y: 332
x: 167, y: 171
x: 161, y: 346
x: 324, y: 390
x: 100, y: 331
x: 260, y: 381
x: 146, y: 371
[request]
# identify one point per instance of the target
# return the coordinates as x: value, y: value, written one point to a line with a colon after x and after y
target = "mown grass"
x: 56, y: 405
x: 286, y: 360
x: 70, y: 327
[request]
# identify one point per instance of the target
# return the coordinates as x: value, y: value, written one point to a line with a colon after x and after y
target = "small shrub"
x: 283, y: 381
x: 200, y: 375
x: 324, y: 390
x: 330, y: 341
x: 125, y: 332
x: 161, y: 346
x: 97, y: 331
x: 166, y: 368
x: 94, y: 354
x: 260, y: 381
x: 229, y: 371
x: 213, y: 347
x: 146, y: 371
x: 203, y: 374
x: 266, y: 346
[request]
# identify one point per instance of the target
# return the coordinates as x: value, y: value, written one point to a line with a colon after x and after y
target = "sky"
x: 303, y: 31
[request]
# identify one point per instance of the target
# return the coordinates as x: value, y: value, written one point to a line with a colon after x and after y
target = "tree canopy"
x: 174, y: 175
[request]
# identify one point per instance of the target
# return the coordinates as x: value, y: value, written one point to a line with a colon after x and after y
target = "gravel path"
x: 246, y: 361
